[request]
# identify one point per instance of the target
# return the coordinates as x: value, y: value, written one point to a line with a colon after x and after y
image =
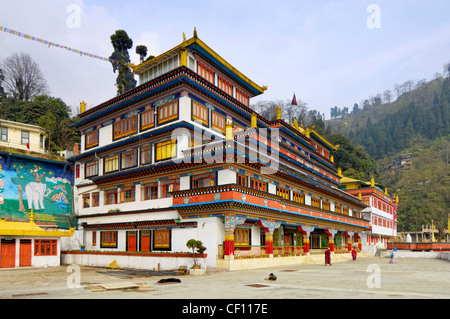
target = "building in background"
x: 184, y: 156
x: 36, y: 207
x: 381, y: 211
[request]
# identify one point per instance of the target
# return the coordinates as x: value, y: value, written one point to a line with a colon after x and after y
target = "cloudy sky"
x: 327, y: 52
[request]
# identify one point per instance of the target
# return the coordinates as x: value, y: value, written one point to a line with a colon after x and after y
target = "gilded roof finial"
x: 184, y: 37
x: 195, y: 32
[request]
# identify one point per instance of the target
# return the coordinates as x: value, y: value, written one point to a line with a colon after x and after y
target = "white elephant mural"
x: 35, y: 195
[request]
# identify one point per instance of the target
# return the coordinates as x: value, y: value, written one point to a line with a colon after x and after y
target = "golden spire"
x: 184, y: 37
x: 195, y: 32
x: 254, y: 121
x: 31, y: 216
x: 82, y: 107
x: 229, y: 131
x: 339, y: 172
x: 278, y: 114
x: 372, y: 182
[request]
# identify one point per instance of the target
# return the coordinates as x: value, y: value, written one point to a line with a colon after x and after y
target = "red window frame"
x: 168, y: 186
x: 108, y: 239
x: 91, y: 169
x: 218, y: 121
x: 45, y: 247
x: 147, y: 119
x: 242, y: 180
x: 91, y: 139
x: 129, y: 159
x: 283, y: 193
x: 111, y: 196
x: 95, y: 199
x: 241, y: 97
x: 299, y: 198
x: 86, y: 200
x: 225, y: 86
x: 205, y: 72
x: 111, y: 163
x: 125, y: 127
x: 200, y: 113
x: 241, y: 237
x: 127, y: 194
x: 168, y: 112
x: 203, y: 180
x: 258, y: 185
x: 146, y: 154
x: 149, y: 191
x: 161, y: 239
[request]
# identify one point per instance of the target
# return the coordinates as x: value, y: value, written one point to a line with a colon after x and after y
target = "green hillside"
x: 417, y: 123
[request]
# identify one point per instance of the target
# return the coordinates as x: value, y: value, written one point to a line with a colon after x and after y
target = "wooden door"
x: 131, y: 240
x: 25, y: 253
x: 8, y: 253
x: 145, y: 240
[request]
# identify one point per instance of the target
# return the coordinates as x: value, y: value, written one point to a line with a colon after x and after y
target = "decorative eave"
x: 198, y: 45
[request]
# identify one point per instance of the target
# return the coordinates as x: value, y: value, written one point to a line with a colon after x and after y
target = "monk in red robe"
x: 354, y: 253
x: 328, y: 257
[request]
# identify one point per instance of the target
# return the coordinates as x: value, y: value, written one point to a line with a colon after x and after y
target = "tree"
x: 387, y: 96
x: 196, y: 245
x: 141, y: 50
x: 23, y: 79
x: 122, y: 43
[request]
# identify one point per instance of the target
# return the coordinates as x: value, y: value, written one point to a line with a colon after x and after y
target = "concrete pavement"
x: 364, y: 278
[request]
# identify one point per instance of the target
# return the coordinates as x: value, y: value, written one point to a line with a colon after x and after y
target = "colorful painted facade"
x: 381, y: 211
x: 184, y: 156
x: 36, y: 206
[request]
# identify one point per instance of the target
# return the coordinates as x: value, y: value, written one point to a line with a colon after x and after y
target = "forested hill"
x: 384, y: 129
x: 417, y: 124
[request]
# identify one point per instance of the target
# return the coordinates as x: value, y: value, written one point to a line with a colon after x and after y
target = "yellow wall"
x: 14, y: 137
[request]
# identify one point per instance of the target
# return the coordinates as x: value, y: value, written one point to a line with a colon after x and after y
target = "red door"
x: 145, y: 240
x: 25, y: 253
x: 131, y: 239
x: 8, y: 253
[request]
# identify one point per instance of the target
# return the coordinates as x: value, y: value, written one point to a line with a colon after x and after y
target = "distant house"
x: 22, y: 136
x: 381, y: 213
x: 403, y: 160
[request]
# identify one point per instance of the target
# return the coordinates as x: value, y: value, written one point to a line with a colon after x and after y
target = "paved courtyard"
x: 364, y: 278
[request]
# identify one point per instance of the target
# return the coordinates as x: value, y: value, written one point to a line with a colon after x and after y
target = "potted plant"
x: 82, y: 247
x: 197, y: 249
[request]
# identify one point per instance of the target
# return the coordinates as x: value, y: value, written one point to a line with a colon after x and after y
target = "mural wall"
x: 46, y: 187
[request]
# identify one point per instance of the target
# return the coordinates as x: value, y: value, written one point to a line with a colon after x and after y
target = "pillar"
x: 331, y: 232
x: 269, y: 227
x: 306, y: 231
x: 359, y: 241
x: 349, y: 235
x: 231, y: 222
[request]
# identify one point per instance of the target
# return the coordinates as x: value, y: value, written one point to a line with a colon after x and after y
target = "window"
x: 258, y: 185
x: 203, y: 180
x: 95, y: 199
x: 91, y: 169
x: 44, y: 247
x: 91, y: 139
x: 146, y: 154
x: 108, y: 239
x: 225, y: 86
x: 242, y: 180
x: 205, y: 73
x: 169, y: 186
x: 94, y: 238
x: 166, y: 149
x: 147, y: 119
x: 125, y: 127
x: 4, y: 134
x: 241, y: 237
x: 77, y: 171
x: 241, y: 97
x: 168, y: 112
x: 129, y: 159
x: 150, y: 191
x: 127, y: 194
x: 315, y: 202
x: 161, y: 239
x: 111, y: 163
x: 41, y: 140
x: 325, y: 205
x: 218, y: 121
x: 86, y: 200
x: 200, y: 113
x: 25, y: 138
x: 283, y: 193
x: 345, y: 211
x: 299, y: 198
x: 111, y: 197
x: 337, y: 208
